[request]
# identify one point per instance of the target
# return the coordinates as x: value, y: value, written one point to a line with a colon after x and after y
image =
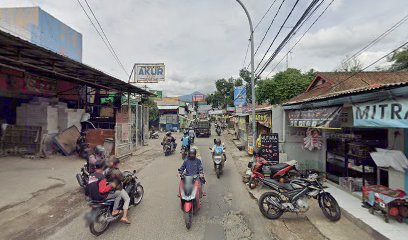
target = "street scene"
x: 176, y: 119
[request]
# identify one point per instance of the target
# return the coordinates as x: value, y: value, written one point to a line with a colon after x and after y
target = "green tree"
x: 283, y: 86
x: 400, y: 60
x: 153, y: 109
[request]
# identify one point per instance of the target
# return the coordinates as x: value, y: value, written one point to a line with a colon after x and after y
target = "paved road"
x: 228, y: 211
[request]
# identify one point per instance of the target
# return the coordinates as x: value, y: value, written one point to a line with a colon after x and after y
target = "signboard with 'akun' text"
x: 148, y: 73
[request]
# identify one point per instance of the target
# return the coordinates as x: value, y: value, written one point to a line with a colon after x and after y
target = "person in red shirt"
x: 98, y: 189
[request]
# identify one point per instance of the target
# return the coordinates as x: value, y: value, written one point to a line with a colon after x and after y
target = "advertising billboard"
x: 198, y: 98
x: 148, y: 73
x: 240, y: 96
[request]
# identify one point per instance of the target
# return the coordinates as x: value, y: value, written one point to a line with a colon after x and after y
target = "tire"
x: 264, y: 200
x: 188, y: 218
x: 327, y: 209
x: 138, y: 195
x: 80, y: 180
x: 218, y: 172
x: 98, y: 232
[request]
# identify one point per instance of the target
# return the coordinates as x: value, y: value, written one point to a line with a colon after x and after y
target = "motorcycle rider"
x: 193, y: 166
x: 99, y: 155
x: 98, y: 189
x: 186, y: 141
x: 191, y: 134
x: 169, y: 138
x: 113, y: 174
x: 219, y: 148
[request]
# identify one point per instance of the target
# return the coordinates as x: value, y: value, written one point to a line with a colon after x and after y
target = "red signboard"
x: 198, y: 98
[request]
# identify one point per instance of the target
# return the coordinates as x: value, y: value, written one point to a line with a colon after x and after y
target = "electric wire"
x: 290, y: 50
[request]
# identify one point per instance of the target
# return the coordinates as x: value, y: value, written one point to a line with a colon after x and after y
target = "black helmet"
x: 99, y: 149
x: 168, y: 133
x: 100, y: 164
x: 218, y: 141
x: 192, y: 153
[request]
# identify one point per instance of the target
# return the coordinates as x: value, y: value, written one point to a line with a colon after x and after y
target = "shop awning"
x: 390, y: 158
x: 325, y: 118
x: 21, y: 55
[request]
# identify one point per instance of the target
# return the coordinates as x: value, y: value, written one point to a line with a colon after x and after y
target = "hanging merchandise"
x: 313, y: 139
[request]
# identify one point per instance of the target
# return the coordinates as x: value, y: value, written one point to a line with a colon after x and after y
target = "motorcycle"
x: 83, y: 176
x: 154, y: 135
x: 264, y: 169
x: 219, y: 160
x: 100, y: 217
x: 168, y: 148
x: 218, y: 130
x: 190, y: 194
x: 184, y: 152
x: 294, y: 196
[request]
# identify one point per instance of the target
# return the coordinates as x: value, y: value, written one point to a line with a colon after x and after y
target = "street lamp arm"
x: 254, y: 136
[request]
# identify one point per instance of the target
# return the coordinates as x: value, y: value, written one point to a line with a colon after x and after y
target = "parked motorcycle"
x: 190, y: 194
x: 218, y: 130
x: 154, y: 135
x: 100, y: 217
x: 294, y: 196
x: 282, y: 172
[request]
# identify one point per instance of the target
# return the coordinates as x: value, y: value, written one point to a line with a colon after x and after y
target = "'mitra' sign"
x: 148, y: 73
x: 390, y: 113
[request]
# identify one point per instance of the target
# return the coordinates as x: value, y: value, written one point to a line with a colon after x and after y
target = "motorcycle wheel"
x: 138, y: 194
x: 330, y: 208
x: 80, y: 180
x: 100, y: 220
x: 218, y: 172
x: 188, y: 218
x: 265, y: 206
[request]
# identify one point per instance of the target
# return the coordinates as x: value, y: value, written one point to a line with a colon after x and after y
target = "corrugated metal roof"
x: 333, y: 84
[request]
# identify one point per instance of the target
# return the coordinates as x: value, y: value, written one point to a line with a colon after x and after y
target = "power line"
x: 384, y: 34
x: 246, y: 54
x: 310, y: 10
x: 280, y: 29
x: 290, y: 50
x: 270, y: 25
x: 100, y: 35
x: 267, y: 11
x: 106, y: 37
x: 371, y: 64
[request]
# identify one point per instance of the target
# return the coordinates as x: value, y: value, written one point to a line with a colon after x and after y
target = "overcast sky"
x: 204, y: 40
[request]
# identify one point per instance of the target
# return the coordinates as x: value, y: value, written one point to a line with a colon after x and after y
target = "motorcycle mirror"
x: 209, y: 148
x: 134, y: 171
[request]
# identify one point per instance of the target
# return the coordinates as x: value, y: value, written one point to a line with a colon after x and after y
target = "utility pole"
x: 252, y: 75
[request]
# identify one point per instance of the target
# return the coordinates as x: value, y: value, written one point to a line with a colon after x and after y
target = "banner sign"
x: 159, y: 94
x: 389, y: 113
x: 263, y: 118
x: 240, y: 96
x: 148, y: 73
x: 315, y: 118
x: 270, y: 147
x: 198, y: 98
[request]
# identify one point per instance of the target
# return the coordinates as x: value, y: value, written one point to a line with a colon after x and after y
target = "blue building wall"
x: 37, y: 26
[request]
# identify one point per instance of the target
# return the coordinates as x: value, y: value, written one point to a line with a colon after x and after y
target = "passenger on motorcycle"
x: 169, y: 138
x: 99, y: 155
x: 219, y: 148
x: 114, y: 175
x: 191, y: 133
x: 193, y: 166
x: 186, y: 141
x: 99, y: 190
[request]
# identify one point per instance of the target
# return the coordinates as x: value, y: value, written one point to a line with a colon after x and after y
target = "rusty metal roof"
x: 332, y: 84
x: 22, y: 55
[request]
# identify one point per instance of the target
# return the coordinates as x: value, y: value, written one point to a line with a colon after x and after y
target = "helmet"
x: 168, y: 133
x: 100, y: 164
x: 218, y: 141
x: 99, y: 150
x: 192, y: 153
